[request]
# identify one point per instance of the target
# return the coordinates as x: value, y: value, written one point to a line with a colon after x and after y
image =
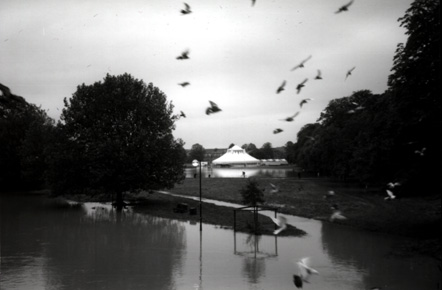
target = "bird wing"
x: 390, y: 194
x: 296, y: 114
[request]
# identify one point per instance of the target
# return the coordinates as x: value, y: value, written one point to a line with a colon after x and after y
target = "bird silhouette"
x: 390, y: 195
x: 213, y: 108
x: 291, y: 118
x: 182, y: 115
x: 301, y: 64
x: 281, y: 87
x: 344, y: 7
x: 276, y: 131
x: 300, y: 86
x: 281, y: 222
x: 253, y: 2
x: 349, y: 72
x: 318, y: 75
x: 304, y: 272
x: 304, y: 101
x: 184, y: 55
x: 186, y: 9
x: 184, y: 84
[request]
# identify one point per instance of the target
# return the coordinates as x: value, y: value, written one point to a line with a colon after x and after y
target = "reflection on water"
x: 238, y: 172
x: 48, y: 246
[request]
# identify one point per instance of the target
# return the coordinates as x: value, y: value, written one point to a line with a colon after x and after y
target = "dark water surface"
x: 48, y: 245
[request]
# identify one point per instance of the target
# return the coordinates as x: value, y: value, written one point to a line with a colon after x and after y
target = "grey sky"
x: 239, y: 55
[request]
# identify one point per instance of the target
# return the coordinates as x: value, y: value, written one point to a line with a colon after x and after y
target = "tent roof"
x: 235, y: 154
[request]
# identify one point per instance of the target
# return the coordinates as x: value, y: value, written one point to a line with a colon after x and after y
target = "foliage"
x: 116, y: 136
x: 24, y: 131
x: 251, y: 194
x: 196, y: 152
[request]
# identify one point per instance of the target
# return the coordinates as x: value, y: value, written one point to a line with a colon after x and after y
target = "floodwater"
x: 219, y: 172
x: 46, y: 244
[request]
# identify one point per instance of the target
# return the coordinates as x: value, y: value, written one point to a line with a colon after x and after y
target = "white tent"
x: 236, y: 157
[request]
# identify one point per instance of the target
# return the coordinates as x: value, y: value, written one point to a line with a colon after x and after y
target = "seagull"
x: 337, y: 215
x: 182, y: 114
x: 301, y: 64
x: 300, y: 86
x: 275, y: 189
x: 420, y: 152
x: 349, y: 72
x: 344, y: 7
x: 184, y: 84
x: 304, y: 101
x: 276, y: 131
x: 304, y: 272
x: 290, y: 119
x: 281, y: 222
x: 393, y: 184
x: 213, y: 108
x: 329, y: 194
x: 319, y: 75
x: 184, y: 55
x: 390, y: 195
x: 352, y: 111
x: 186, y: 9
x: 281, y: 87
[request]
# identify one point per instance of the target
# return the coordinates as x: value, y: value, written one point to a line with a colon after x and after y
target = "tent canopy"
x: 235, y: 156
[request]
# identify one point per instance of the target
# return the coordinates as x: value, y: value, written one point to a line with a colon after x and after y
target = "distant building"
x: 274, y: 162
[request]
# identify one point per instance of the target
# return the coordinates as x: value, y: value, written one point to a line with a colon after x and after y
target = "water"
x: 45, y: 245
x: 238, y: 172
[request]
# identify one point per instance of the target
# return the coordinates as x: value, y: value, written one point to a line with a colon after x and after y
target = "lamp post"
x: 196, y: 163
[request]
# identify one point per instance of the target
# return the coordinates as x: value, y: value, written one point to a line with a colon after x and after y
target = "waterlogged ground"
x: 50, y: 245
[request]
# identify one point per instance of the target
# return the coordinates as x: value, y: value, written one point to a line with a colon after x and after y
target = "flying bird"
x: 420, y: 152
x: 276, y: 131
x: 318, y: 75
x: 349, y: 72
x: 304, y: 272
x: 390, y: 195
x: 213, y: 108
x: 301, y: 64
x: 186, y: 9
x: 329, y: 194
x: 337, y: 215
x: 183, y: 55
x: 281, y: 87
x: 290, y: 119
x: 352, y: 111
x: 300, y: 86
x: 184, y: 84
x: 253, y: 2
x: 182, y: 114
x: 393, y: 184
x: 304, y: 101
x: 344, y: 7
x: 275, y: 189
x: 281, y: 222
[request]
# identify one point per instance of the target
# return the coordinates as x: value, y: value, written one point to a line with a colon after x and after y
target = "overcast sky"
x: 239, y: 55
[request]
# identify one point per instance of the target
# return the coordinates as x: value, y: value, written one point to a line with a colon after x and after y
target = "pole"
x: 201, y: 205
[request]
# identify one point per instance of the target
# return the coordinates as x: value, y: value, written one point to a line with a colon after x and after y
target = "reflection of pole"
x: 201, y: 260
x: 201, y: 205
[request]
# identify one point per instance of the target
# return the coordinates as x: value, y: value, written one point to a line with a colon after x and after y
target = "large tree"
x: 116, y: 136
x: 197, y: 152
x: 24, y: 130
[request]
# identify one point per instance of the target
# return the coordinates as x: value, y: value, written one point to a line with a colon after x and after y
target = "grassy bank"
x: 417, y: 217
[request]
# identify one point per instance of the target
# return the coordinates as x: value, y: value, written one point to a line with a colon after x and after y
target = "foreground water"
x: 48, y: 245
